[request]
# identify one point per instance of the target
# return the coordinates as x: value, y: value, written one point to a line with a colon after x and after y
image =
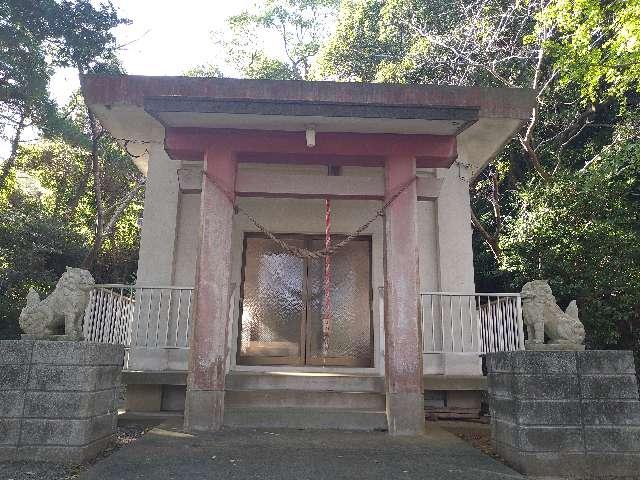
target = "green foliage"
x: 204, y: 71
x: 48, y: 206
x: 35, y: 248
x: 48, y: 216
x: 597, y: 46
x: 268, y: 68
x: 359, y: 27
x: 300, y: 26
x: 38, y: 35
x: 436, y: 42
x: 582, y: 231
x: 561, y: 202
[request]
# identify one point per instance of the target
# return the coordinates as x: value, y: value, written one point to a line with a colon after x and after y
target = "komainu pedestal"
x: 566, y: 414
x: 58, y: 399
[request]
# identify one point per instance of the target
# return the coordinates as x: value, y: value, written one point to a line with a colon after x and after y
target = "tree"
x: 498, y: 43
x: 73, y: 196
x: 204, y: 71
x: 544, y: 203
x: 35, y: 248
x: 582, y: 231
x: 106, y: 217
x: 35, y: 37
x: 55, y: 214
x: 597, y: 46
x: 301, y: 26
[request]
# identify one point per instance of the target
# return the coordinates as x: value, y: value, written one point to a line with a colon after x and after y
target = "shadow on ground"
x: 166, y: 452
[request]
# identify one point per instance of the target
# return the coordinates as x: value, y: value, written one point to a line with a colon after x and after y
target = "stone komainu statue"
x: 543, y: 315
x: 62, y: 311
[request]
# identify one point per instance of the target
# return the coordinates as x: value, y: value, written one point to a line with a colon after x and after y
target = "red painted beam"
x: 437, y: 151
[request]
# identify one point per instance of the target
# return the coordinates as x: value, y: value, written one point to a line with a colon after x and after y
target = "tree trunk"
x: 79, y: 192
x: 490, y: 240
x: 90, y: 259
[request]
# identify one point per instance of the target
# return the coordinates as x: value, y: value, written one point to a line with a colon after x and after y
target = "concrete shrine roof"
x: 141, y: 107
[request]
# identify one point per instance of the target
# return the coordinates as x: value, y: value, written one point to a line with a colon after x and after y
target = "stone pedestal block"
x: 572, y: 413
x: 58, y: 399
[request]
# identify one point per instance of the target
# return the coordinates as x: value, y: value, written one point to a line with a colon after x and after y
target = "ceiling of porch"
x: 172, y: 111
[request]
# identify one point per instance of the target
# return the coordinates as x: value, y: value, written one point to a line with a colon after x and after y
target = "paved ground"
x: 127, y: 433
x: 167, y: 453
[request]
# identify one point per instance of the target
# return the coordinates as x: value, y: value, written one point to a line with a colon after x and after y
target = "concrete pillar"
x: 454, y: 233
x: 456, y: 269
x: 156, y: 256
x: 206, y: 380
x: 403, y: 333
x: 157, y: 242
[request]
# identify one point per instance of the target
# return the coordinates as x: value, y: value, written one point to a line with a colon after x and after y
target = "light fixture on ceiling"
x: 310, y: 133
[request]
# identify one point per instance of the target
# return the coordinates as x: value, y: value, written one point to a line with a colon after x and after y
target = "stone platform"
x: 58, y: 399
x: 573, y: 414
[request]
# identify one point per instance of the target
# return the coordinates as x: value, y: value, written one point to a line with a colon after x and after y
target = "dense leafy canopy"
x: 582, y: 231
x: 596, y: 46
x: 38, y: 35
x: 561, y: 201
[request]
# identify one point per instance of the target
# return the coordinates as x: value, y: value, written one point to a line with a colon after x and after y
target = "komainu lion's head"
x: 76, y: 279
x: 535, y: 295
x: 537, y: 288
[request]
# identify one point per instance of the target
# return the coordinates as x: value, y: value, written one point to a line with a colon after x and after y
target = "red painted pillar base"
x: 204, y: 408
x: 403, y: 331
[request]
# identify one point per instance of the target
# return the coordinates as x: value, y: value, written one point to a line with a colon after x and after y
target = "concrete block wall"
x: 566, y: 413
x: 58, y: 399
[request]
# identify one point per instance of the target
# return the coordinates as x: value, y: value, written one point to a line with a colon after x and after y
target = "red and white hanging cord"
x: 326, y: 311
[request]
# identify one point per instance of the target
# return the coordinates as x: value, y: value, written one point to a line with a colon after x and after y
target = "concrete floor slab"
x: 166, y: 452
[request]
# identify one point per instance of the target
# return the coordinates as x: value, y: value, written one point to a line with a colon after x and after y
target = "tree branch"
x: 527, y: 143
x: 122, y: 206
x: 90, y: 258
x: 489, y: 239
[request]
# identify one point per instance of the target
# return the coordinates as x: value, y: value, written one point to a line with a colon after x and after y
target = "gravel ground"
x: 54, y: 471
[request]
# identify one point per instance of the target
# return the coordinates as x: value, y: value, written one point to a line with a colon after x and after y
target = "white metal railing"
x: 137, y: 316
x: 471, y: 322
x: 159, y: 317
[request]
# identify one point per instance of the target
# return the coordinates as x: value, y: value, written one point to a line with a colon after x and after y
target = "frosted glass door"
x: 284, y: 305
x: 348, y: 311
x: 273, y: 304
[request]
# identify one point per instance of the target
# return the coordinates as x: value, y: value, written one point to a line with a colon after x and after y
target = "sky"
x: 168, y: 37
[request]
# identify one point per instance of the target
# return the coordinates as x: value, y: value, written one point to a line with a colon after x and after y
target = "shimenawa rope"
x: 303, y: 252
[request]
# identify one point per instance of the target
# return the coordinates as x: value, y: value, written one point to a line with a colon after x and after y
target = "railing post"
x: 520, y: 323
x: 478, y: 314
x: 88, y: 316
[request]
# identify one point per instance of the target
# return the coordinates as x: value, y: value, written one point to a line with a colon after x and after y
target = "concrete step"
x: 306, y: 418
x: 367, y: 401
x: 307, y: 381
